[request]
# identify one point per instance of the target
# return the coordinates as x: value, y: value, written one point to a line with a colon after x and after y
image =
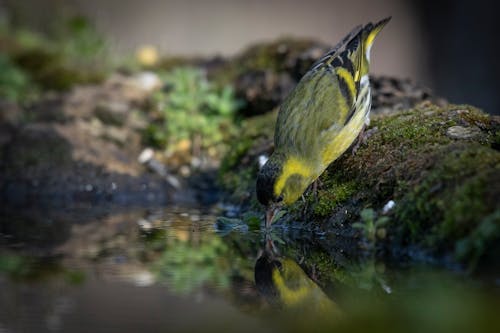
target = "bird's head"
x: 265, y: 186
x: 280, y: 182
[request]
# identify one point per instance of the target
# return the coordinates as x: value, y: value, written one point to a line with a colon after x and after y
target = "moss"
x: 14, y: 82
x: 21, y: 267
x: 49, y: 71
x: 272, y: 55
x: 472, y: 196
x: 249, y: 136
x: 477, y: 243
x: 170, y: 63
x: 333, y: 195
x: 413, y: 128
x: 240, y: 165
x: 496, y: 140
x: 233, y: 157
x: 453, y: 198
x: 472, y: 116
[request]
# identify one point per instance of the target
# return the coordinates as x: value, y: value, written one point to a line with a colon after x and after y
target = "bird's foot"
x: 314, y: 191
x: 316, y: 186
x: 363, y: 138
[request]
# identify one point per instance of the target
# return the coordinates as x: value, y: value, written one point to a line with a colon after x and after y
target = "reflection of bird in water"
x: 284, y: 284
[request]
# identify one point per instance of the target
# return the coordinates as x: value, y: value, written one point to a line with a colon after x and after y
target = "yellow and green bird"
x: 319, y: 119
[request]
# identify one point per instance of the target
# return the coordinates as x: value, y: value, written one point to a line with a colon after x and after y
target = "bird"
x: 319, y: 120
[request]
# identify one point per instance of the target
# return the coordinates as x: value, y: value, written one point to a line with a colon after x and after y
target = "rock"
x: 10, y: 113
x: 134, y: 89
x: 264, y: 73
x: 463, y: 133
x: 112, y: 112
x: 35, y: 148
x: 390, y: 94
x: 48, y: 109
x: 148, y: 81
x: 299, y: 65
x: 147, y: 157
x: 6, y: 134
x: 262, y: 90
x: 51, y: 152
x: 117, y: 135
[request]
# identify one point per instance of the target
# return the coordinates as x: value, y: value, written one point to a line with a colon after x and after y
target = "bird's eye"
x: 280, y: 198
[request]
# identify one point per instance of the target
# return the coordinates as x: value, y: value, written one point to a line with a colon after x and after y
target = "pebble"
x: 144, y: 279
x: 262, y: 160
x: 148, y: 81
x: 185, y: 171
x: 145, y: 224
x: 460, y: 132
x: 388, y: 206
x: 146, y: 155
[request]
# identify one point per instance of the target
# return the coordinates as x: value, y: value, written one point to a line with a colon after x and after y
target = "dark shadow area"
x: 462, y: 52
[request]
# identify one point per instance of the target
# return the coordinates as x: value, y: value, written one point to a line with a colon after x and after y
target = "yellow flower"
x: 147, y: 55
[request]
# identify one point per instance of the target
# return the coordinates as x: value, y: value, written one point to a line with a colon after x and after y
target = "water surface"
x: 177, y: 270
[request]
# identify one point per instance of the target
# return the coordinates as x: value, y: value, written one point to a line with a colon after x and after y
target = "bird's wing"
x: 316, y: 105
x: 338, y: 48
x: 323, y: 99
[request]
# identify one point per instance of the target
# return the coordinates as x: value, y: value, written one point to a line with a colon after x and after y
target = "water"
x: 173, y: 270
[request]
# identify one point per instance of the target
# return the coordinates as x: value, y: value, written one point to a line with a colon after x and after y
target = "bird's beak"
x: 271, y: 211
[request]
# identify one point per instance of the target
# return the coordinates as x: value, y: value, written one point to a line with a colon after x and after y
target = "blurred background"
x: 445, y: 45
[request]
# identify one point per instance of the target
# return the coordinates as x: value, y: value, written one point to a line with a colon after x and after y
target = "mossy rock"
x: 239, y: 167
x: 36, y: 146
x: 445, y: 186
x: 48, y: 70
x: 290, y: 55
x: 264, y: 73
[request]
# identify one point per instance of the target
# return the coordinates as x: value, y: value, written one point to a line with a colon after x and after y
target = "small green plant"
x: 81, y: 44
x: 193, y: 109
x: 14, y: 83
x: 371, y: 226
